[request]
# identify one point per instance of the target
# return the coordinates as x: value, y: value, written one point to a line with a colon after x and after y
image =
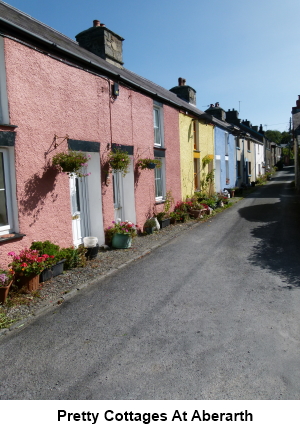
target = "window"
x: 158, y: 124
x: 195, y: 135
x: 159, y: 181
x: 248, y: 145
x: 238, y: 168
x: 6, y: 222
x: 249, y: 168
x: 226, y: 143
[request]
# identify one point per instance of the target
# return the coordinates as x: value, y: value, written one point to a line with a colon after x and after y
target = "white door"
x: 79, y: 207
x: 124, y: 200
x: 218, y: 175
x: 118, y: 195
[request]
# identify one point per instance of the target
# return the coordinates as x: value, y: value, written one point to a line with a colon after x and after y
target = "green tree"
x: 273, y: 136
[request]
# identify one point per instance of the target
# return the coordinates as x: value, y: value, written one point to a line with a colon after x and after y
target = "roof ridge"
x: 37, y: 21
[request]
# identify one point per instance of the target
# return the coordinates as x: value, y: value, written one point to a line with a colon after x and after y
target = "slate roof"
x: 24, y: 28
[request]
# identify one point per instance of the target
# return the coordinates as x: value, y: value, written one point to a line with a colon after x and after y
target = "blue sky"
x: 242, y: 54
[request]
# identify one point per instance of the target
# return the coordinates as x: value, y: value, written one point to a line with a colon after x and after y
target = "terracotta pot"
x: 4, y: 292
x: 29, y: 283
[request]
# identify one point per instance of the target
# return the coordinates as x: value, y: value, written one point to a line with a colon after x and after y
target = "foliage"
x: 281, y: 138
x: 71, y: 162
x: 5, y: 321
x: 181, y: 211
x: 169, y: 201
x: 30, y: 262
x: 119, y: 161
x: 75, y: 257
x: 121, y: 227
x: 46, y: 247
x: 150, y: 222
x: 161, y: 215
x: 274, y: 136
x: 207, y: 179
x: 143, y: 163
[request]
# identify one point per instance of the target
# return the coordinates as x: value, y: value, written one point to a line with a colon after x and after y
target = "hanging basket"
x: 148, y: 163
x: 71, y: 162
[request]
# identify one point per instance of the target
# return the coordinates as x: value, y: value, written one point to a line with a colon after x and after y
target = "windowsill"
x: 8, y: 125
x: 197, y: 150
x: 248, y: 150
x: 11, y: 236
x: 159, y: 202
x: 237, y: 147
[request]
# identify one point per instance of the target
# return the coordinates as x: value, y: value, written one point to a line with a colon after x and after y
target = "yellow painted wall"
x: 206, y: 144
x: 187, y: 154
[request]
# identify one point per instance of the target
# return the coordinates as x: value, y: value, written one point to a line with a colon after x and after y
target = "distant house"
x: 296, y: 139
x: 250, y: 149
x: 224, y: 149
x: 196, y: 142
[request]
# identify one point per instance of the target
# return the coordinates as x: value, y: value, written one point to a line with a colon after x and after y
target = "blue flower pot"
x: 121, y: 241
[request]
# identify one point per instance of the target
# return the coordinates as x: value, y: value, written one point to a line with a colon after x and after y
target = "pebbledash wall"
x: 47, y: 98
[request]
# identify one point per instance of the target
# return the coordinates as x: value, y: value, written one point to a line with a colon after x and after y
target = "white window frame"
x: 159, y: 198
x: 7, y: 228
x: 4, y: 114
x: 158, y: 124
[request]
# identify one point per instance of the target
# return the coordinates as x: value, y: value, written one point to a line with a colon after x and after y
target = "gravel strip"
x: 56, y: 290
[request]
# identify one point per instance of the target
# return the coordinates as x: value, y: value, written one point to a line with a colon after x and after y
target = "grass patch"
x: 5, y: 322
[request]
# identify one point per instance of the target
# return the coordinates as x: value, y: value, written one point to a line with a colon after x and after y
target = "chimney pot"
x: 180, y: 82
x: 96, y: 23
x: 183, y: 81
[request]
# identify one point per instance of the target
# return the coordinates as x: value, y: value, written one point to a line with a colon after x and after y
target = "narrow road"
x: 213, y: 314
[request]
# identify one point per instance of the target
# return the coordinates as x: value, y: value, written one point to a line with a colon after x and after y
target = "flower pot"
x: 121, y: 241
x: 53, y: 271
x: 90, y: 242
x: 149, y: 230
x: 4, y: 292
x: 164, y: 222
x: 197, y: 213
x: 29, y: 283
x: 92, y: 253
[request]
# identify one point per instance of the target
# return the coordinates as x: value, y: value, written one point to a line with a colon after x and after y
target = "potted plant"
x: 163, y: 217
x: 5, y: 283
x: 57, y: 264
x: 148, y: 163
x: 71, y: 162
x: 119, y: 161
x: 181, y: 210
x: 27, y: 267
x: 120, y: 234
x: 150, y: 226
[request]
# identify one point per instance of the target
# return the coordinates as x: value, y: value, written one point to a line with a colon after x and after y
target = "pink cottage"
x: 58, y: 94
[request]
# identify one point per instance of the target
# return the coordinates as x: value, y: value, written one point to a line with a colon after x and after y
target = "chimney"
x: 298, y: 103
x: 232, y: 116
x: 185, y: 92
x: 102, y: 42
x: 216, y: 111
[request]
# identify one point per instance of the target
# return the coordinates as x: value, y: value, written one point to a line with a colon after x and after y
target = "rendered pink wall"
x: 47, y: 98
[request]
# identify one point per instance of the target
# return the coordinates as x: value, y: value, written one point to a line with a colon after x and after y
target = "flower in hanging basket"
x: 149, y: 163
x: 72, y: 162
x: 119, y: 161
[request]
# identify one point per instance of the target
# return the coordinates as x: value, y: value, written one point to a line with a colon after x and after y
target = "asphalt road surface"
x: 213, y: 314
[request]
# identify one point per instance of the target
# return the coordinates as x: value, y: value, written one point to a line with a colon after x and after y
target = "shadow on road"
x: 278, y: 249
